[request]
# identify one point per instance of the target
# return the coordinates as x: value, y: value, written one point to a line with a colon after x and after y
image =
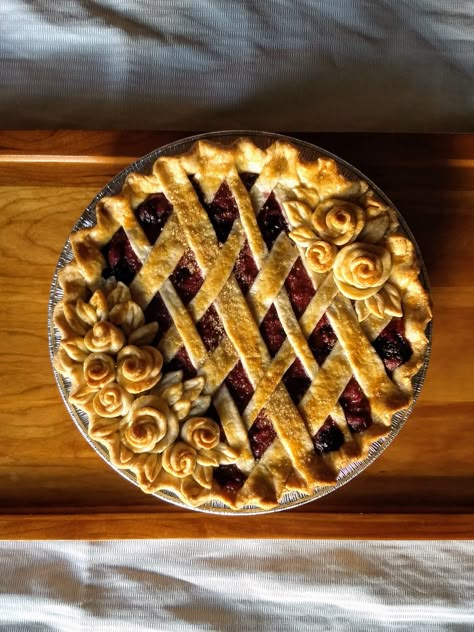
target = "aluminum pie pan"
x: 143, y: 165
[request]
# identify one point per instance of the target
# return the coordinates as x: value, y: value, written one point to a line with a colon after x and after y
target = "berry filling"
x: 272, y: 331
x: 245, y: 269
x: 299, y: 287
x: 271, y: 221
x: 121, y: 259
x: 152, y: 215
x: 261, y: 434
x: 210, y: 329
x: 356, y: 407
x: 239, y: 386
x: 187, y: 277
x: 212, y: 413
x: 322, y: 340
x: 181, y: 362
x: 296, y: 381
x: 392, y: 346
x: 229, y: 477
x: 222, y: 210
x: 329, y: 437
x: 248, y: 179
x: 156, y: 310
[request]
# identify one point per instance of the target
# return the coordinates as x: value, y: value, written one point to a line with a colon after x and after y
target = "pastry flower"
x: 138, y: 368
x: 149, y: 426
x: 360, y: 270
x: 112, y: 401
x: 99, y: 369
x: 151, y: 423
x: 333, y: 223
x: 338, y: 221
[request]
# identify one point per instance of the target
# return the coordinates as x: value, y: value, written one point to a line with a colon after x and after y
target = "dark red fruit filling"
x: 356, y: 407
x: 248, y: 179
x: 272, y: 331
x: 212, y: 413
x: 229, y: 477
x: 392, y: 346
x: 156, y: 310
x: 261, y: 434
x: 239, y: 386
x: 322, y: 340
x: 299, y: 287
x: 222, y: 210
x: 296, y: 381
x: 187, y: 277
x: 210, y: 329
x: 245, y: 269
x: 271, y: 221
x: 329, y: 437
x: 152, y: 215
x: 181, y: 362
x: 121, y: 259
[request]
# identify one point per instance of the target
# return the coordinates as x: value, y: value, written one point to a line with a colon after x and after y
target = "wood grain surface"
x: 53, y: 484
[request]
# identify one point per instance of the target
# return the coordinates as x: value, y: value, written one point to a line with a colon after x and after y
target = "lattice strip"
x: 276, y: 461
x: 231, y: 422
x: 326, y: 388
x: 159, y: 264
x: 218, y: 365
x: 272, y: 276
x: 184, y: 324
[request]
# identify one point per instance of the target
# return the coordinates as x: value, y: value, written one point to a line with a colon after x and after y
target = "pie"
x: 240, y: 323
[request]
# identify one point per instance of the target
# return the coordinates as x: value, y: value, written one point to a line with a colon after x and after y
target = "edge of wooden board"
x: 114, y: 526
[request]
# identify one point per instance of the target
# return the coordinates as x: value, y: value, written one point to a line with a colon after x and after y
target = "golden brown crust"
x: 364, y: 272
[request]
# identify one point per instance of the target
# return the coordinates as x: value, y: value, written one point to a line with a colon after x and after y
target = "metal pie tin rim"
x: 308, y: 151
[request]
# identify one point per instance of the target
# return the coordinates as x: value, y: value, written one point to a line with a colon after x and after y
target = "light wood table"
x: 53, y: 485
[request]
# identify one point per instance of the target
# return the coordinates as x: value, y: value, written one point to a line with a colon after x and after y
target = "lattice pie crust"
x: 291, y: 321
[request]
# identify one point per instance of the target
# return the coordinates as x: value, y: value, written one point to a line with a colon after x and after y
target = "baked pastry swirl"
x: 240, y: 323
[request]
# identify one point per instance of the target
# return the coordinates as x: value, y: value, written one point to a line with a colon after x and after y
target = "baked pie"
x: 241, y: 323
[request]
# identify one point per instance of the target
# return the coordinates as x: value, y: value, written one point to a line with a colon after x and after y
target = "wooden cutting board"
x: 53, y: 485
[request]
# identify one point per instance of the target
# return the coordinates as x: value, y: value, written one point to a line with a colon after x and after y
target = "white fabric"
x: 227, y: 585
x: 301, y: 65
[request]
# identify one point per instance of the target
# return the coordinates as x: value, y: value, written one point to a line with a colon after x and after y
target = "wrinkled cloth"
x: 307, y: 65
x: 227, y: 585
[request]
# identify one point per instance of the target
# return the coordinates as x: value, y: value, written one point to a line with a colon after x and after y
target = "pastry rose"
x: 149, y: 426
x: 201, y: 433
x: 112, y: 401
x: 360, y: 270
x: 104, y: 337
x: 320, y: 255
x: 99, y: 370
x: 338, y: 221
x: 179, y: 459
x: 138, y: 368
